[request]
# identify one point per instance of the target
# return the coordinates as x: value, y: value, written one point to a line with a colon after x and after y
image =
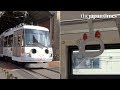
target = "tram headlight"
x: 46, y: 51
x: 33, y: 51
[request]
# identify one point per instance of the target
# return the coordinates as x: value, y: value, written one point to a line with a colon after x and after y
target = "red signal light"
x: 85, y: 36
x: 97, y: 34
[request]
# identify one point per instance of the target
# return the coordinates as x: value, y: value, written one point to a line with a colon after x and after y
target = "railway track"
x: 23, y: 73
x: 48, y: 73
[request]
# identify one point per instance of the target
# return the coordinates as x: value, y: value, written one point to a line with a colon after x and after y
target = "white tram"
x: 28, y: 44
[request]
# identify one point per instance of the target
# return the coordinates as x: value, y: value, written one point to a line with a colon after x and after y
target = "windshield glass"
x: 37, y: 36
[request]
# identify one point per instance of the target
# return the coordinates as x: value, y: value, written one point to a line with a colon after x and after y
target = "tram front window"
x: 37, y: 36
x: 108, y: 63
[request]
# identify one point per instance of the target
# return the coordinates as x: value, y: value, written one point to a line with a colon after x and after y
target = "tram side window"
x: 5, y: 41
x: 14, y: 41
x: 10, y: 41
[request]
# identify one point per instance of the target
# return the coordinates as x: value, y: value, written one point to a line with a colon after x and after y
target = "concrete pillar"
x: 56, y: 35
x: 51, y: 30
x: 118, y: 24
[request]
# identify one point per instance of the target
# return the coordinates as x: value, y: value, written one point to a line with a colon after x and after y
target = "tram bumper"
x: 36, y: 59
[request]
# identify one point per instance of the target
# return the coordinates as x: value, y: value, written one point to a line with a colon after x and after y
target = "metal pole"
x: 91, y: 31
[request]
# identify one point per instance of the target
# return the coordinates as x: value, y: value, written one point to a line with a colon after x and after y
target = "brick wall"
x: 45, y: 24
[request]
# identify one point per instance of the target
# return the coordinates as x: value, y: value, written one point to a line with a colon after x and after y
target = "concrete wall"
x: 70, y: 15
x: 45, y: 24
x: 71, y: 32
